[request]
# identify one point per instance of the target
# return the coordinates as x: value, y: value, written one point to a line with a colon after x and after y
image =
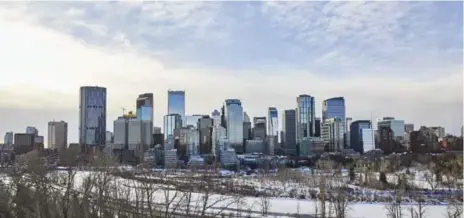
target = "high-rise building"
x: 367, y: 140
x: 348, y: 122
x: 356, y: 138
x: 247, y: 131
x: 289, y: 131
x: 273, y: 123
x: 132, y: 134
x: 397, y: 126
x: 8, y: 140
x: 109, y: 137
x: 233, y: 112
x: 171, y: 122
x: 176, y: 104
x: 318, y: 127
x: 408, y: 127
x: 305, y: 117
x: 156, y: 129
x: 205, y: 127
x: 332, y: 134
x: 145, y: 107
x: 23, y: 143
x: 259, y: 128
x: 92, y: 116
x: 57, y: 135
x: 334, y: 107
x: 218, y: 137
x: 216, y: 115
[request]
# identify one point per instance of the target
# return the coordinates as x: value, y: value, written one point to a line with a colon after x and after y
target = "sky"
x: 400, y: 59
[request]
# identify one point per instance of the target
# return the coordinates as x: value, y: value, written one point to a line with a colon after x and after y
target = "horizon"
x: 403, y: 61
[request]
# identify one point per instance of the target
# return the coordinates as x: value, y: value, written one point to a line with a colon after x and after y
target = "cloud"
x: 44, y: 65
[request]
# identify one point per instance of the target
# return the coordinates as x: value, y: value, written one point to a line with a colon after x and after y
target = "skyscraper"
x: 233, y: 115
x: 305, y: 117
x: 397, y: 126
x: 259, y: 128
x: 145, y: 107
x: 176, y: 104
x: 356, y: 139
x: 334, y: 107
x: 92, y: 116
x: 332, y: 134
x: 289, y: 131
x: 171, y: 123
x: 8, y: 140
x: 318, y: 127
x: 57, y: 135
x: 216, y: 115
x: 273, y: 123
x: 348, y: 122
x: 205, y: 127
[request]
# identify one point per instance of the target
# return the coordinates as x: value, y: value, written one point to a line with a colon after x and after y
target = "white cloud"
x: 43, y: 68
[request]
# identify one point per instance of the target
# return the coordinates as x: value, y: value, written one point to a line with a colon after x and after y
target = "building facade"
x: 305, y: 117
x: 311, y: 146
x: 144, y: 105
x: 356, y: 140
x: 289, y: 131
x: 58, y: 135
x: 273, y: 122
x: 216, y: 115
x: 192, y: 120
x: 332, y: 134
x: 439, y: 131
x: 176, y: 104
x: 9, y: 138
x: 92, y: 116
x: 205, y: 127
x: 171, y: 122
x: 255, y: 146
x: 348, y: 122
x: 397, y: 126
x: 408, y: 127
x: 334, y: 108
x: 259, y: 128
x: 233, y: 112
x: 367, y: 140
x: 318, y: 127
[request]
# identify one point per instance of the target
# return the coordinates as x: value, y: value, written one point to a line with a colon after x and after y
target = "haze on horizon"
x: 400, y: 59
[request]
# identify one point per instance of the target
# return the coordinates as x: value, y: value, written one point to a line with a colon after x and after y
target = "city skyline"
x: 404, y: 62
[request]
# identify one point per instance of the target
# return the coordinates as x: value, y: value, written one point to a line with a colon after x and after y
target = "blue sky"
x: 401, y: 59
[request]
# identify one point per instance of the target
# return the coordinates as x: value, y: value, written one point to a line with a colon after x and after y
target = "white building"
x: 57, y: 135
x: 170, y: 158
x: 132, y: 134
x: 332, y: 134
x: 367, y: 139
x: 218, y: 136
x: 120, y: 133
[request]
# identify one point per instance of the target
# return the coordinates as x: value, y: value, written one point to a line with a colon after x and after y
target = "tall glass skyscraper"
x: 334, y: 107
x: 145, y: 107
x: 171, y: 122
x: 233, y: 112
x: 305, y: 117
x: 273, y: 123
x: 289, y: 135
x: 176, y: 103
x: 92, y: 116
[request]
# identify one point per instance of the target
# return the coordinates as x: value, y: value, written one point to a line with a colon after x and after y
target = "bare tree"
x: 454, y: 209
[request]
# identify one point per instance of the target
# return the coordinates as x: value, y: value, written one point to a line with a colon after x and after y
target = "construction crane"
x: 123, y: 110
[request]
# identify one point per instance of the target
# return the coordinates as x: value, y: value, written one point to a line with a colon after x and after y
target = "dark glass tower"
x: 92, y: 116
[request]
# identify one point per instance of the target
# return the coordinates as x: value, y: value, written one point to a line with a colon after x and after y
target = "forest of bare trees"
x: 32, y: 190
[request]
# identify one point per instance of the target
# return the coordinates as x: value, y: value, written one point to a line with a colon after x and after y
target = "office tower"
x: 8, y: 140
x: 311, y: 146
x: 57, y: 135
x: 367, y: 140
x: 223, y: 117
x: 205, y: 127
x: 349, y: 120
x: 305, y: 117
x: 170, y: 154
x: 397, y: 126
x: 132, y: 134
x: 356, y: 137
x: 273, y: 123
x: 109, y: 137
x: 247, y: 133
x: 439, y: 131
x: 171, y: 122
x: 318, y: 127
x: 332, y: 134
x: 193, y: 142
x: 289, y: 129
x: 259, y: 128
x: 32, y: 130
x: 424, y: 140
x: 255, y: 146
x: 218, y: 137
x: 408, y: 127
x: 334, y: 107
x: 233, y: 112
x: 145, y: 107
x: 216, y: 115
x: 92, y: 116
x: 23, y: 143
x: 176, y: 104
x: 192, y: 120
